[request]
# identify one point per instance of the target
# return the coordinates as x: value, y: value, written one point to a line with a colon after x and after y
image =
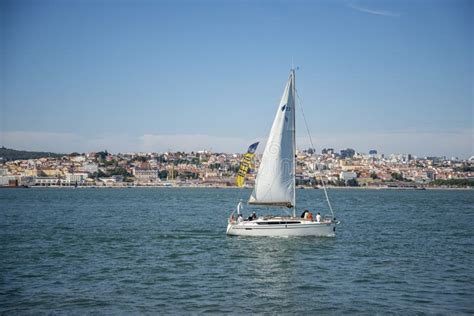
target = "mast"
x: 294, y: 141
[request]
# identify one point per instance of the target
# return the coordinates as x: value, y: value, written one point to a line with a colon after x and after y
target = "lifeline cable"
x: 313, y: 148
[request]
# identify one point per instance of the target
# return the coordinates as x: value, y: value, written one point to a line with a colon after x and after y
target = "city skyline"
x: 157, y: 76
x: 204, y: 169
x: 330, y: 150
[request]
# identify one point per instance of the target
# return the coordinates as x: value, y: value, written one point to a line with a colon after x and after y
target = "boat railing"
x: 326, y: 218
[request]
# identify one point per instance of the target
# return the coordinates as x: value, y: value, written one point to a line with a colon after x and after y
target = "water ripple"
x: 165, y: 251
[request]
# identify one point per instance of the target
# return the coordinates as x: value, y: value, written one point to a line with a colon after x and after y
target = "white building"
x: 3, y: 171
x: 73, y: 178
x: 90, y: 167
x: 347, y: 175
x: 4, y: 180
x: 44, y: 181
x: 78, y: 158
x: 145, y: 174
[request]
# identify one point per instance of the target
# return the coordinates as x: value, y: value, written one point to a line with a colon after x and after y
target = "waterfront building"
x: 47, y: 181
x: 5, y: 179
x: 75, y: 178
x: 347, y: 175
x: 145, y: 174
x: 3, y: 171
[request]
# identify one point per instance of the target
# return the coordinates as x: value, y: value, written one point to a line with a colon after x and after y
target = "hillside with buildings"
x: 345, y: 168
x: 7, y: 154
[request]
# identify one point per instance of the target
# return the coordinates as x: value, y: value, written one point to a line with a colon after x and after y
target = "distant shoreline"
x: 233, y: 187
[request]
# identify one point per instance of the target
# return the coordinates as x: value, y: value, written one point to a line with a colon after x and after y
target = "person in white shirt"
x: 318, y: 218
x: 240, y: 219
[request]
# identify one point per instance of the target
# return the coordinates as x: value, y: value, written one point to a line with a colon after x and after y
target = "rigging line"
x: 313, y: 148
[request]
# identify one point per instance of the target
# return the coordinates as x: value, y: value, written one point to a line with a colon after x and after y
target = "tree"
x: 464, y: 168
x: 163, y: 174
x: 352, y: 183
x: 373, y: 175
x: 11, y: 154
x: 213, y: 166
x: 112, y: 162
x: 98, y: 174
x: 338, y: 182
x: 455, y: 182
x: 161, y: 158
x: 119, y: 171
x: 141, y: 159
x: 102, y: 154
x: 397, y: 176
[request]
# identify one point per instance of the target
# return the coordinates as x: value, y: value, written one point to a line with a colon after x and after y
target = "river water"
x: 164, y: 250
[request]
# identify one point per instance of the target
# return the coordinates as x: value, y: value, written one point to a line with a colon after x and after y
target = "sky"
x: 395, y: 76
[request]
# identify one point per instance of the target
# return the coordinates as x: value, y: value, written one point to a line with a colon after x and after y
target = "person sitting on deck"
x: 240, y: 219
x: 318, y: 218
x: 303, y: 215
x: 310, y: 216
x: 253, y: 216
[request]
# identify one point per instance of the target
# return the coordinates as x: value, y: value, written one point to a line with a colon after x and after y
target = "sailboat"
x: 275, y: 183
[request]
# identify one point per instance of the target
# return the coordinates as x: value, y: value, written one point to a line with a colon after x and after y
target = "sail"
x: 245, y: 165
x: 275, y: 183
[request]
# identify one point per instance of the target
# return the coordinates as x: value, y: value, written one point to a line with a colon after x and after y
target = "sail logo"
x: 285, y: 107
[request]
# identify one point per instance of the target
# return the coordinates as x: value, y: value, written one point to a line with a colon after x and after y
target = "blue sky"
x: 396, y: 76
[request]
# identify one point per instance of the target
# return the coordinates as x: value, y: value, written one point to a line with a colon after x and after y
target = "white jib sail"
x: 275, y: 183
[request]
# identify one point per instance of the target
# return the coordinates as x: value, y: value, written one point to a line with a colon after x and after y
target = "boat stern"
x: 229, y: 228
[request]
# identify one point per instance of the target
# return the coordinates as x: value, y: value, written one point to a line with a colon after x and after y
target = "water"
x: 165, y: 251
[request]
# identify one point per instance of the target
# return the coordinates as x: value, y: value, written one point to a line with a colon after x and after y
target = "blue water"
x: 165, y: 251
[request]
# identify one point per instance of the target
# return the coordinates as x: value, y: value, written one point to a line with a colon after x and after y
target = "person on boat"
x: 253, y: 216
x: 309, y: 216
x: 318, y: 217
x: 303, y: 215
x: 240, y: 218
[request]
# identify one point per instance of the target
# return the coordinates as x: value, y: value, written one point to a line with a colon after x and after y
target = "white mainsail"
x: 275, y: 183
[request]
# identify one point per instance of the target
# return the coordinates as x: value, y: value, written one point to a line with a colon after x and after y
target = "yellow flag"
x: 245, y: 165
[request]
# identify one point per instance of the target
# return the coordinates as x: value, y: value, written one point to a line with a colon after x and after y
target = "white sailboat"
x: 275, y: 182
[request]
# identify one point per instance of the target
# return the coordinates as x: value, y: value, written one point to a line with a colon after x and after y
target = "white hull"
x: 275, y: 228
